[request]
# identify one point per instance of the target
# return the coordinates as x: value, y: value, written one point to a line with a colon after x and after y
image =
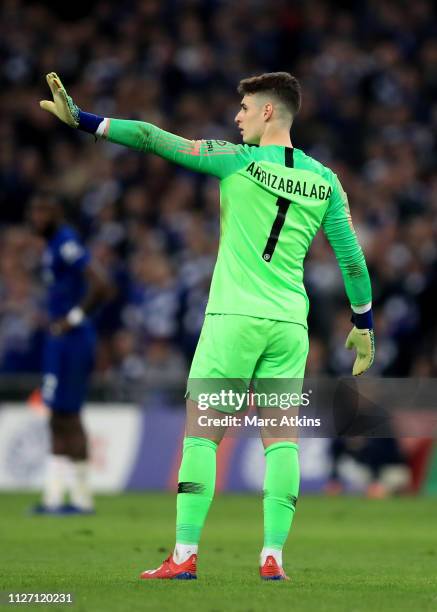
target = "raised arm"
x: 215, y: 157
x: 338, y: 228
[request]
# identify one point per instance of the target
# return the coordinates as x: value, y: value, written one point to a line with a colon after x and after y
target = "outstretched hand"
x: 62, y: 105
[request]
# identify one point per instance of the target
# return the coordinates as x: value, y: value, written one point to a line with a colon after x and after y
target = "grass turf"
x: 345, y: 554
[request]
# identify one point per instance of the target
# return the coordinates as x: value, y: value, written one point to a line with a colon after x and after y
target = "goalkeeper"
x: 274, y: 198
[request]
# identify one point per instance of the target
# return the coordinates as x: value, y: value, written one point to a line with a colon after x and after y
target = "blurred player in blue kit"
x: 75, y: 286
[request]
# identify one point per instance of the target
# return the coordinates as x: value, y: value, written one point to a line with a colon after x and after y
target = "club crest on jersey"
x: 288, y: 185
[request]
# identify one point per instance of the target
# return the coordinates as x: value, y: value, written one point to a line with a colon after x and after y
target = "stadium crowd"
x: 369, y: 78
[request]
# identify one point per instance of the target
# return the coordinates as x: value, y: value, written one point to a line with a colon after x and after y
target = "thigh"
x: 285, y: 354
x: 69, y: 368
x: 279, y: 373
x: 229, y: 347
x: 52, y: 364
x: 225, y: 359
x: 278, y: 382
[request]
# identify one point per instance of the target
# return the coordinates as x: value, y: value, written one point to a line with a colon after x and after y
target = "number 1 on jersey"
x: 277, y: 226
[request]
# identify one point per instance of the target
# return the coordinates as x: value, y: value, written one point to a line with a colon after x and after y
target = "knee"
x: 68, y: 435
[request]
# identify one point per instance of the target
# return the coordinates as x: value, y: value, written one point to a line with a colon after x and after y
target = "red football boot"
x: 170, y: 570
x: 272, y: 571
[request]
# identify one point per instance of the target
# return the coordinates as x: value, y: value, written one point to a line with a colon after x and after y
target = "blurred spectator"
x: 377, y: 465
x: 21, y: 317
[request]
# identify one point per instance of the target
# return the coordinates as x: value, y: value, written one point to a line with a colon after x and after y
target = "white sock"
x: 79, y: 488
x: 274, y: 552
x: 55, y: 481
x: 182, y: 552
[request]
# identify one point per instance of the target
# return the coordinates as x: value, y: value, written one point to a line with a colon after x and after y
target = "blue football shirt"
x: 64, y: 260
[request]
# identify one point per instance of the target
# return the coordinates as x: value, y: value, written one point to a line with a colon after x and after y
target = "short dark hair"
x: 282, y: 84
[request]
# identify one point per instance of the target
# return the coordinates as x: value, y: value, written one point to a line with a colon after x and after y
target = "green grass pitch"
x: 344, y: 554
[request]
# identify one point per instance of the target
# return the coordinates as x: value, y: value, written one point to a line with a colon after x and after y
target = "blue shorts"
x: 68, y: 363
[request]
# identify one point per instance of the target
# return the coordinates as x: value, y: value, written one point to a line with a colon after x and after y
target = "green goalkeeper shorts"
x: 238, y: 352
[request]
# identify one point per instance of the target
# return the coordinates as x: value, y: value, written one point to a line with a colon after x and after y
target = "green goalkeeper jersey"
x: 273, y: 200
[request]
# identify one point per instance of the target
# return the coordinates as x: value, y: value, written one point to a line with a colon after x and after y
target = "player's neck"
x: 278, y: 136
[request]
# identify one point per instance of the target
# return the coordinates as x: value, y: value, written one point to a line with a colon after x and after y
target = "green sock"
x: 281, y: 488
x: 195, y: 488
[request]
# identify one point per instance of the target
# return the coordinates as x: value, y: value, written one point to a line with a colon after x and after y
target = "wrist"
x: 363, y: 320
x: 87, y: 122
x: 75, y: 316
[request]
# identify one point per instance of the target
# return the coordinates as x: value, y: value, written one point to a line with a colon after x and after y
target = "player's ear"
x: 268, y: 111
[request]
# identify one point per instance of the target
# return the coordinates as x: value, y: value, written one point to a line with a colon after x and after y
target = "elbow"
x: 355, y: 270
x: 355, y: 266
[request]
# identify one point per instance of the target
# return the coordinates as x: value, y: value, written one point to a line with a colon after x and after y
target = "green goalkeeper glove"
x: 363, y: 341
x: 62, y: 106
